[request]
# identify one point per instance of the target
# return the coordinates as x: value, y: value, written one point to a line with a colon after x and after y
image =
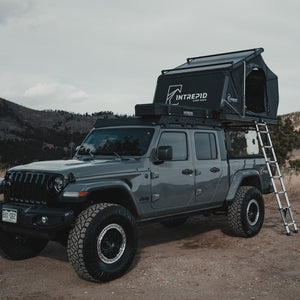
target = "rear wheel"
x: 246, y: 212
x: 18, y: 247
x: 103, y: 242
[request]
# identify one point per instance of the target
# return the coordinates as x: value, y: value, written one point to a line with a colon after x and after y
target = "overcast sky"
x: 95, y: 55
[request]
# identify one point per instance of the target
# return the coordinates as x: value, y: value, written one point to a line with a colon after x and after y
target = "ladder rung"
x: 268, y: 147
x: 280, y: 192
x: 276, y: 177
x: 272, y: 161
x: 261, y: 124
x: 263, y: 131
x: 289, y: 224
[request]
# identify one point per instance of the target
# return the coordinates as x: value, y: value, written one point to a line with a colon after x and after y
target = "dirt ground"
x: 199, y: 260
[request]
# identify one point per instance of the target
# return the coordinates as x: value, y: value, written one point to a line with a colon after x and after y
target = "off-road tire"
x: 246, y: 212
x: 99, y: 226
x: 18, y: 247
x: 174, y: 223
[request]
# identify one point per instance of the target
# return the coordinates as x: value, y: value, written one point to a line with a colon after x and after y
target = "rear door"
x: 173, y: 181
x: 210, y: 170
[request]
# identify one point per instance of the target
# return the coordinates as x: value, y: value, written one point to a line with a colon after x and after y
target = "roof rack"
x: 170, y: 116
x: 255, y: 50
x: 222, y: 59
x: 196, y: 115
x: 195, y: 67
x: 163, y: 121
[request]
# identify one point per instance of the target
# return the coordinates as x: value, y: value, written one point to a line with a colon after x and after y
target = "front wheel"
x: 246, y: 212
x: 103, y: 242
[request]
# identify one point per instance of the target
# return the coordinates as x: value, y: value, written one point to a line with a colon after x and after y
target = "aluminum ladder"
x: 268, y: 149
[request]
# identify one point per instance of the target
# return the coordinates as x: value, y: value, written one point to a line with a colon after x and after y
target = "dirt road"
x: 199, y: 260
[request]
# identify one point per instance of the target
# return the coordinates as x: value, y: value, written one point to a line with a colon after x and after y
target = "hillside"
x: 15, y: 120
x: 27, y: 134
x: 295, y: 118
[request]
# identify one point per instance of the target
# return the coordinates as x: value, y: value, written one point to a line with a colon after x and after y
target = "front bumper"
x: 37, y: 221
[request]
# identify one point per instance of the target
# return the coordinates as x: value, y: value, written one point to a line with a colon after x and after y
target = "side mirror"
x: 165, y: 153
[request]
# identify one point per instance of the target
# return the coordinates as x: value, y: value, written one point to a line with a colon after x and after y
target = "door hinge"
x: 154, y: 175
x: 155, y: 197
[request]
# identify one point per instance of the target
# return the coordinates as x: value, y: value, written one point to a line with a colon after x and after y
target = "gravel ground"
x: 198, y: 260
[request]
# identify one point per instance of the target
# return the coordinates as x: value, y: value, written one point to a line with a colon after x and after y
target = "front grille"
x: 29, y: 187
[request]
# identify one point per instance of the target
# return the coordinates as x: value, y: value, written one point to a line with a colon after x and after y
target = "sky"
x: 98, y: 55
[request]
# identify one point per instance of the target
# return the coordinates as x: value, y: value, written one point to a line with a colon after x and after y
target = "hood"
x: 85, y: 168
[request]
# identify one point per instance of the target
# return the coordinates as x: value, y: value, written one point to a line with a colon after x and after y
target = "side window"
x: 206, y: 147
x: 243, y: 143
x: 177, y: 140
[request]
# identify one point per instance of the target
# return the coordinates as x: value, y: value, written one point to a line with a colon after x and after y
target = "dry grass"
x: 292, y: 184
x: 295, y: 154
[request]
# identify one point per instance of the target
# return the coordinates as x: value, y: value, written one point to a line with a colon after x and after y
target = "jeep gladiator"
x: 127, y: 173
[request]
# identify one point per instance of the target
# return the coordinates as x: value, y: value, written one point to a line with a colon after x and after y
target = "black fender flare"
x: 239, y: 177
x: 69, y: 194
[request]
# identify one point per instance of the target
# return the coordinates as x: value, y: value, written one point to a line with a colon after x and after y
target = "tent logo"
x: 172, y: 91
x: 175, y: 96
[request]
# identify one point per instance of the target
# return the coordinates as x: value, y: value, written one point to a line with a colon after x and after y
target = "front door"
x: 173, y: 181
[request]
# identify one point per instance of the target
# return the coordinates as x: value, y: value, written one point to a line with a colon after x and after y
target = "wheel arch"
x: 244, y: 178
x: 116, y: 195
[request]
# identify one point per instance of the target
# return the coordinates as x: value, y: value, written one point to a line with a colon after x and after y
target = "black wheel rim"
x: 252, y: 212
x: 111, y: 243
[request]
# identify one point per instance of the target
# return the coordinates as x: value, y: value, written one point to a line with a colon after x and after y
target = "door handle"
x: 187, y: 172
x: 214, y: 170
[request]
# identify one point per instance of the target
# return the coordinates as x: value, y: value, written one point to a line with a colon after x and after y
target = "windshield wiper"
x: 117, y: 155
x: 120, y: 157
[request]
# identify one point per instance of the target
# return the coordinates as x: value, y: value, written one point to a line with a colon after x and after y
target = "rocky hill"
x: 27, y: 134
x: 295, y: 118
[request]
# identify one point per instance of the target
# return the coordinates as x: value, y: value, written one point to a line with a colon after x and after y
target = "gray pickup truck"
x: 129, y: 172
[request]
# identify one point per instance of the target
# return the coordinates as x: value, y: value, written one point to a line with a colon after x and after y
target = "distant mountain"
x: 27, y: 134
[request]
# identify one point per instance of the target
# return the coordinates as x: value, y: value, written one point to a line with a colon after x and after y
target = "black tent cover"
x: 237, y: 85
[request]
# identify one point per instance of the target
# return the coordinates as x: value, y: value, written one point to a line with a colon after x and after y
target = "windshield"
x: 117, y: 141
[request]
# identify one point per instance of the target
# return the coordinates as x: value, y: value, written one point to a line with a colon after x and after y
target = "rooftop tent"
x: 237, y: 85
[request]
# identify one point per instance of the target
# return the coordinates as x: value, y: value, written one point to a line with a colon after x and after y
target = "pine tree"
x: 284, y: 138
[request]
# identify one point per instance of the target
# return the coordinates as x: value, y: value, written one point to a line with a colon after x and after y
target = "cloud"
x: 43, y: 89
x: 12, y: 9
x: 54, y: 93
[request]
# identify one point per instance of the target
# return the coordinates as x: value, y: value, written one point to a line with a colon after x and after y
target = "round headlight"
x: 59, y: 184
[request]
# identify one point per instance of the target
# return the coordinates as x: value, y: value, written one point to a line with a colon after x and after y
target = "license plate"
x: 9, y: 215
